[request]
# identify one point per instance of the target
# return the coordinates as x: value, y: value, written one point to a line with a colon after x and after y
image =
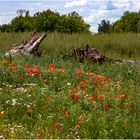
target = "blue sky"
x: 92, y: 11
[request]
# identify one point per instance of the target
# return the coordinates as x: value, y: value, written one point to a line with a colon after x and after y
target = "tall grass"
x: 112, y: 45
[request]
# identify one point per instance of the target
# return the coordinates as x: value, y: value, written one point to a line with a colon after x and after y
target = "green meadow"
x: 51, y: 98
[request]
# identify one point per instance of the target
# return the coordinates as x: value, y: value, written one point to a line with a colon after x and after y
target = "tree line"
x: 129, y: 22
x: 69, y: 23
x: 46, y: 21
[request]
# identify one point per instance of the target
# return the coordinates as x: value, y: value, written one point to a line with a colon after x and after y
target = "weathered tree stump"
x: 85, y: 52
x: 29, y: 46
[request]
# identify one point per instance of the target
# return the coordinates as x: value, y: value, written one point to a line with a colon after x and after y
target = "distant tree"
x: 5, y: 28
x: 48, y: 20
x: 128, y: 22
x: 21, y: 12
x: 119, y: 27
x: 74, y: 23
x: 27, y: 14
x: 138, y: 26
x: 104, y: 26
x: 21, y: 24
x: 53, y: 21
x: 138, y: 23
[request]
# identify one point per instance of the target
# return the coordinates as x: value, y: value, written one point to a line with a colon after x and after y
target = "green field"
x: 49, y: 98
x: 113, y: 45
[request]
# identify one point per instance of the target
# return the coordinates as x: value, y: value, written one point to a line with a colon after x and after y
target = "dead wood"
x: 85, y: 52
x: 29, y: 46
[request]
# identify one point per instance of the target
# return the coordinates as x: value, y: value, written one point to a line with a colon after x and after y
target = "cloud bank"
x: 76, y: 3
x: 98, y: 10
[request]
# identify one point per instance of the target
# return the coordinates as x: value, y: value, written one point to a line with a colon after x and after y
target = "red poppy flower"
x: 57, y: 124
x: 78, y: 88
x: 108, y: 79
x: 92, y: 98
x: 107, y: 88
x: 60, y: 70
x: 79, y: 72
x: 55, y: 78
x: 117, y: 99
x: 30, y: 110
x: 81, y: 120
x: 98, y: 86
x: 34, y: 71
x: 103, y: 83
x: 27, y: 66
x: 77, y: 126
x: 13, y: 66
x: 91, y: 75
x: 51, y: 65
x: 36, y: 67
x: 61, y: 129
x: 82, y: 84
x: 74, y: 97
x: 105, y: 106
x: 99, y: 77
x: 122, y: 96
x: 51, y: 69
x: 28, y: 74
x: 87, y: 81
x: 128, y: 106
x: 100, y: 96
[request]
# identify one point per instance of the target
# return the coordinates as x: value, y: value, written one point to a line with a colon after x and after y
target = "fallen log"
x: 85, y: 52
x: 29, y: 46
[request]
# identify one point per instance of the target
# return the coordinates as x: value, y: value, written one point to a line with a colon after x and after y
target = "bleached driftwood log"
x: 29, y: 46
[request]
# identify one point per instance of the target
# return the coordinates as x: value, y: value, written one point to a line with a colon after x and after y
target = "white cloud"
x: 1, y: 19
x: 110, y: 10
x: 131, y: 5
x: 81, y: 9
x: 93, y: 29
x: 39, y: 3
x: 135, y: 6
x: 76, y: 3
x: 125, y: 4
x: 96, y: 16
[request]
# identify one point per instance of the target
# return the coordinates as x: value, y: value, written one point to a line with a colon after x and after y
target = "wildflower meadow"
x: 51, y: 98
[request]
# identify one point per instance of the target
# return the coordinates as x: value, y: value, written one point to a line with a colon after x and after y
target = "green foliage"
x: 129, y: 22
x: 69, y: 23
x: 47, y: 21
x: 104, y: 26
x: 119, y: 27
x: 5, y: 28
x: 138, y: 26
